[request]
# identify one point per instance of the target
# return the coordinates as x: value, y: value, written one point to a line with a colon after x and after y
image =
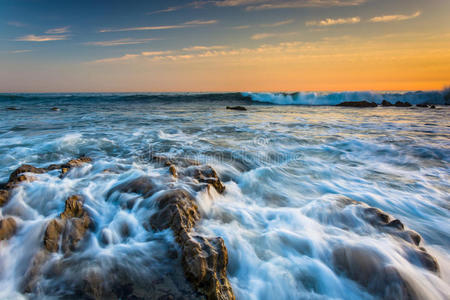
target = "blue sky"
x: 168, y: 45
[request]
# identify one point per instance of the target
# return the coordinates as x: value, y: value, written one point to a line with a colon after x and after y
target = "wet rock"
x: 55, y: 109
x: 4, y: 197
x: 12, y: 108
x: 432, y: 107
x: 206, y: 174
x: 369, y: 269
x: 237, y: 108
x: 144, y: 186
x: 358, y: 104
x: 396, y: 224
x: 173, y: 171
x: 175, y: 161
x: 422, y: 105
x: 8, y: 227
x: 178, y: 211
x: 386, y: 103
x: 422, y: 258
x: 205, y: 261
x: 69, y: 229
x: 402, y: 104
x: 18, y: 175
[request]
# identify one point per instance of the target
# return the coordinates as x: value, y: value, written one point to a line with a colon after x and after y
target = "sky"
x: 223, y: 45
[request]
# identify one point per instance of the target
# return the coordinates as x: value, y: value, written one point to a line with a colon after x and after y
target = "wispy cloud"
x: 241, y: 27
x: 278, y: 24
x: 169, y: 9
x: 120, y: 42
x: 393, y: 18
x: 41, y: 38
x: 20, y: 51
x: 115, y: 59
x: 203, y: 48
x: 156, y: 53
x: 163, y: 27
x: 331, y: 22
x: 261, y: 36
x: 277, y: 4
x: 59, y: 30
x: 16, y: 24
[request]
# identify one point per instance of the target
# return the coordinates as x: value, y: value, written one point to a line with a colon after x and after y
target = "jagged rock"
x: 432, y: 107
x: 173, y: 171
x: 67, y: 231
x: 8, y: 227
x: 18, y: 176
x: 358, y: 104
x: 386, y: 103
x: 422, y: 105
x: 204, y: 259
x: 206, y: 174
x: 237, y: 108
x: 178, y: 211
x: 402, y: 104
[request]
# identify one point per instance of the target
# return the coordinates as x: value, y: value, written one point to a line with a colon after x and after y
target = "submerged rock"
x: 55, y: 109
x: 12, y: 108
x: 8, y: 227
x: 358, y: 104
x: 237, y: 108
x: 422, y: 105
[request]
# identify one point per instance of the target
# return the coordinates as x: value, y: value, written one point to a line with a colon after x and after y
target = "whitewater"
x: 305, y: 185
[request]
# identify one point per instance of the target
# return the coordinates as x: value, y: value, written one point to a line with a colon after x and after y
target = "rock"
x: 12, y: 108
x: 358, y: 104
x: 237, y: 108
x: 204, y: 259
x: 17, y: 176
x: 55, y: 109
x: 402, y: 104
x: 69, y: 229
x: 176, y: 161
x: 4, y: 197
x: 396, y: 224
x: 143, y: 185
x: 422, y: 105
x: 173, y: 171
x: 206, y: 174
x: 386, y: 103
x: 370, y: 269
x: 432, y: 107
x: 8, y: 227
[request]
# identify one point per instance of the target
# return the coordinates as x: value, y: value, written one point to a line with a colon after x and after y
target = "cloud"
x: 241, y: 27
x: 164, y: 27
x: 261, y: 36
x: 41, y: 38
x: 279, y: 4
x: 20, y: 51
x: 278, y: 24
x: 203, y: 48
x: 169, y: 9
x: 59, y: 30
x: 331, y: 22
x: 115, y: 59
x: 393, y: 18
x: 156, y: 53
x: 119, y: 42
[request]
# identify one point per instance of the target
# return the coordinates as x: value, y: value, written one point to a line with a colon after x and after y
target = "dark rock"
x: 8, y: 227
x: 358, y: 104
x: 236, y: 108
x: 69, y: 229
x: 377, y: 216
x: 396, y: 224
x: 386, y: 103
x: 55, y: 109
x: 369, y: 269
x: 12, y: 108
x: 402, y: 104
x: 422, y: 105
x: 144, y: 186
x: 432, y: 107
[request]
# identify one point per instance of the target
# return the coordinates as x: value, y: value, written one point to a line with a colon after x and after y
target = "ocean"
x: 303, y: 181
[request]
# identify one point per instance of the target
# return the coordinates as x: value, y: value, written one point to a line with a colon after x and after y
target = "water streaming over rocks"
x: 158, y: 197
